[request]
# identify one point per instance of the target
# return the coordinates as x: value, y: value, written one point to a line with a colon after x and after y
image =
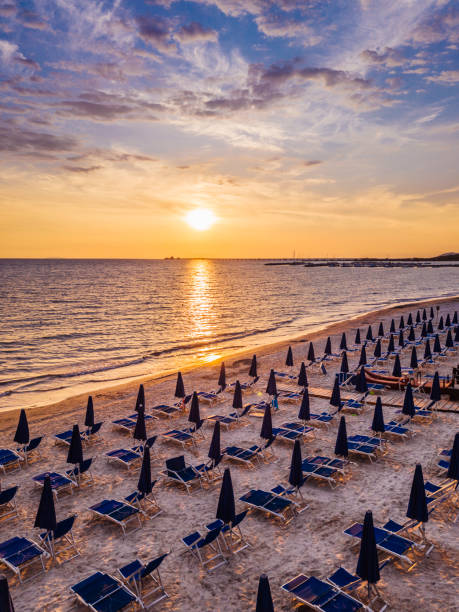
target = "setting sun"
x: 200, y: 219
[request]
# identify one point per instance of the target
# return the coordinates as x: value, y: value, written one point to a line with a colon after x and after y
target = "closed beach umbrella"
x: 401, y: 340
x: 237, y: 397
x: 411, y: 335
x: 46, y: 514
x: 391, y: 345
x: 381, y: 330
x: 430, y: 329
x: 441, y: 324
x: 392, y: 326
x: 344, y: 363
x: 296, y: 473
x: 22, y: 431
x: 75, y: 454
x: 431, y: 312
x: 357, y: 337
x: 6, y: 603
x: 328, y: 348
x: 424, y: 330
x: 343, y: 343
x: 303, y: 377
x: 402, y: 323
x: 335, y: 399
x: 361, y: 381
x: 179, y: 387
x: 140, y: 402
x: 417, y: 505
x: 370, y: 333
x: 289, y: 359
x: 454, y: 321
x: 267, y: 425
x: 448, y: 320
x: 410, y: 320
x: 418, y: 317
x: 437, y: 345
x: 377, y: 351
x: 449, y: 340
x: 89, y: 418
x: 214, y: 449
x: 311, y: 355
x: 424, y: 315
x: 341, y: 448
x: 145, y: 485
x: 368, y: 565
x: 427, y: 351
x: 378, y: 418
x: 304, y: 413
x: 140, y: 430
x: 264, y: 599
x: 397, y: 370
x: 226, y: 510
x: 453, y: 470
x: 408, y: 402
x: 253, y: 367
x: 363, y: 356
x: 271, y: 389
x: 435, y: 393
x: 194, y: 415
x: 414, y: 359
x: 456, y: 334
x: 222, y: 377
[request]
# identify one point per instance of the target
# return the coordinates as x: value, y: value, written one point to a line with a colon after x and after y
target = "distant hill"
x: 447, y: 257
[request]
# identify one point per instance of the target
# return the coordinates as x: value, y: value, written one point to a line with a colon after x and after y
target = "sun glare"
x: 200, y: 219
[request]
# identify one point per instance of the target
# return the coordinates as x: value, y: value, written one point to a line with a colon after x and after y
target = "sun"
x: 200, y: 219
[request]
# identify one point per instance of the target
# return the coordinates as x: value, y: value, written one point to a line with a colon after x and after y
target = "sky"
x: 320, y: 127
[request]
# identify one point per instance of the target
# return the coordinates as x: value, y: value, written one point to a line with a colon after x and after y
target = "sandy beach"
x: 313, y: 543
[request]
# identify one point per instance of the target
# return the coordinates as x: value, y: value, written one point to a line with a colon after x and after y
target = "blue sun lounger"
x: 181, y: 436
x: 61, y: 540
x: 146, y: 503
x: 145, y: 581
x: 270, y: 503
x: 8, y: 508
x: 322, y: 419
x: 302, y: 428
x: 9, y: 459
x: 19, y: 553
x: 126, y: 457
x: 293, y: 494
x: 166, y: 410
x: 320, y: 595
x: 81, y: 473
x: 319, y: 472
x: 60, y: 483
x: 247, y: 456
x: 338, y: 464
x: 180, y: 472
x: 199, y: 545
x: 231, y: 533
x: 118, y: 512
x: 128, y: 423
x: 31, y: 450
x: 103, y: 593
x: 207, y: 396
x: 397, y: 431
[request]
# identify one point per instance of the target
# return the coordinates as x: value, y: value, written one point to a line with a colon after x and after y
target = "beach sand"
x: 313, y: 543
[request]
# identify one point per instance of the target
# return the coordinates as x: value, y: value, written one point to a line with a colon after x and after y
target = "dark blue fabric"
x: 377, y: 351
x: 411, y: 334
x: 264, y: 599
x: 140, y: 402
x: 357, y: 337
x: 253, y: 367
x: 417, y: 505
x: 311, y: 355
x: 370, y: 333
x: 302, y: 377
x: 179, y: 387
x: 367, y: 565
x: 289, y: 359
x: 194, y: 415
x: 89, y: 417
x: 335, y: 399
x: 271, y: 389
x: 453, y: 470
x: 226, y: 510
x: 408, y: 402
x: 22, y: 432
x: 427, y: 351
x: 435, y: 393
x: 414, y: 359
x: 46, y: 515
x: 6, y: 603
x: 397, y: 369
x: 296, y: 473
x: 214, y: 450
x: 361, y: 381
x: 344, y: 363
x: 75, y: 454
x: 267, y: 425
x: 363, y: 356
x: 145, y: 485
x: 140, y: 430
x: 343, y: 343
x: 328, y: 348
x: 222, y: 377
x: 237, y: 397
x: 341, y: 446
x: 378, y: 419
x: 304, y: 413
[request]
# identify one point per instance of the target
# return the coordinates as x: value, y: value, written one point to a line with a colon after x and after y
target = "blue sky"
x: 308, y: 115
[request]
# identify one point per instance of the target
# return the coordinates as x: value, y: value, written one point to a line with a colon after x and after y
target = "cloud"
x: 82, y: 169
x: 196, y: 32
x: 283, y: 26
x: 32, y: 20
x: 16, y: 139
x: 7, y: 9
x: 442, y: 25
x: 388, y: 57
x: 10, y: 54
x: 313, y: 162
x: 155, y: 31
x: 447, y: 77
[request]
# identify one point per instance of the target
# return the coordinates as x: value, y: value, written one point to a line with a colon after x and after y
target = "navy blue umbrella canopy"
x: 267, y: 424
x: 424, y: 330
x: 311, y: 354
x: 427, y: 351
x: 391, y: 344
x: 140, y: 402
x: 296, y: 472
x: 344, y: 363
x: 392, y: 326
x: 75, y: 454
x: 381, y: 330
x: 377, y: 351
x: 424, y: 315
x: 361, y: 381
x: 264, y: 599
x: 401, y: 340
x: 418, y: 317
x: 369, y: 333
x: 253, y: 367
x: 449, y: 340
x: 378, y: 418
x: 357, y: 337
x: 397, y: 370
x: 304, y: 413
x: 6, y: 603
x: 454, y: 321
x: 89, y: 417
x: 431, y: 312
x: 271, y: 389
x: 441, y: 325
x: 437, y: 345
x: 140, y: 430
x: 145, y: 485
x: 343, y: 343
x: 410, y: 320
x: 411, y: 334
x: 363, y: 356
x: 289, y: 358
x: 414, y: 359
x: 303, y: 377
x: 46, y: 514
x: 448, y: 320
x: 335, y: 399
x: 237, y: 397
x: 226, y: 510
x: 179, y: 387
x: 341, y: 448
x: 417, y: 505
x: 22, y: 435
x: 402, y: 323
x: 328, y: 347
x: 430, y: 329
x: 408, y: 402
x: 453, y: 470
x: 194, y: 415
x: 214, y: 449
x: 222, y: 377
x: 368, y: 565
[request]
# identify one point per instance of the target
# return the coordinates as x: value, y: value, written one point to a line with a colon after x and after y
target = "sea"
x: 76, y: 326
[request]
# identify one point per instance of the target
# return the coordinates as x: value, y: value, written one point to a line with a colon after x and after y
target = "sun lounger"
x: 231, y: 534
x: 128, y: 423
x: 181, y: 436
x: 147, y: 504
x: 319, y: 472
x: 81, y: 473
x: 354, y: 406
x: 8, y: 508
x: 9, y: 460
x: 340, y: 465
x: 397, y: 431
x: 139, y: 448
x: 226, y: 421
x: 246, y: 456
x: 167, y: 411
x: 293, y: 494
x: 256, y: 409
x: 118, y: 512
x: 180, y: 472
x: 60, y: 483
x: 31, y: 450
x: 302, y: 428
x: 125, y: 457
x: 208, y: 397
x: 320, y: 595
x: 61, y: 540
x: 92, y: 434
x: 20, y: 553
x: 203, y: 546
x: 289, y: 396
x: 321, y: 420
x: 102, y: 593
x: 273, y: 505
x: 145, y: 581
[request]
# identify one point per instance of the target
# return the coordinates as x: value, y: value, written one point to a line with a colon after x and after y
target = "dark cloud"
x: 32, y: 20
x: 155, y: 31
x: 440, y: 26
x: 313, y: 162
x: 388, y: 57
x: 7, y: 9
x: 100, y: 106
x: 195, y: 32
x: 280, y: 73
x: 16, y: 139
x: 82, y: 169
x: 94, y: 110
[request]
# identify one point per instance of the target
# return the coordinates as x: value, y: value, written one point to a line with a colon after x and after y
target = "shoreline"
x: 230, y: 359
